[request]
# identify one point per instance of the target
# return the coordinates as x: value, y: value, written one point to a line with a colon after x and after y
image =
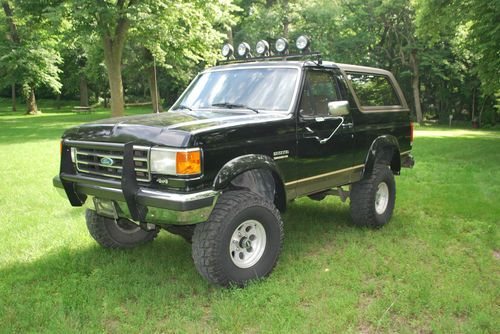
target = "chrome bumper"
x: 162, y: 207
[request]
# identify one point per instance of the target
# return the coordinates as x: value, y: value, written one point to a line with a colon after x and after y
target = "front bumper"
x: 162, y: 207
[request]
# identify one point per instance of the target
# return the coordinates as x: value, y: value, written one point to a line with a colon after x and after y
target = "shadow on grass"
x: 166, y: 261
x: 85, y: 287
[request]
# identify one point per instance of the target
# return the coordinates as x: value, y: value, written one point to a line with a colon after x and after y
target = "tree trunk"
x: 14, y: 35
x: 473, y: 104
x: 153, y: 89
x: 84, y: 91
x: 415, y: 83
x: 32, y: 108
x: 152, y: 79
x: 229, y: 33
x: 286, y: 21
x: 481, y: 111
x: 14, y: 107
x: 113, y: 51
x: 112, y: 58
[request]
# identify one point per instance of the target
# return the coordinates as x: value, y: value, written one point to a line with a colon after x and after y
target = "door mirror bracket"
x: 325, y: 140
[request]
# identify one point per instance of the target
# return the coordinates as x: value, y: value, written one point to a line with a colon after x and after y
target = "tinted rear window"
x: 374, y: 90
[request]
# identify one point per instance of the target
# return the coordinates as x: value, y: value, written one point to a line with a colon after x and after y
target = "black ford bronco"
x: 243, y: 140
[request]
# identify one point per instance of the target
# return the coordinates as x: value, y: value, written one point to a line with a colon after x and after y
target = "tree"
x: 190, y: 34
x: 474, y: 24
x: 112, y: 21
x: 28, y: 53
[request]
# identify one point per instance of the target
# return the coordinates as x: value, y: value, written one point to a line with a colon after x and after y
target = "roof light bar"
x: 264, y: 52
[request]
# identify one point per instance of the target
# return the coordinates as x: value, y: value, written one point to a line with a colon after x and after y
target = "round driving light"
x: 281, y: 45
x: 243, y: 49
x: 262, y: 47
x: 302, y: 43
x: 227, y: 50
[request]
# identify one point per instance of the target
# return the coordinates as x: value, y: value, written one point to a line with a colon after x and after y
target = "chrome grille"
x: 89, y: 161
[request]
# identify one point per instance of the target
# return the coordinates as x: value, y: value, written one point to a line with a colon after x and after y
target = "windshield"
x: 249, y: 88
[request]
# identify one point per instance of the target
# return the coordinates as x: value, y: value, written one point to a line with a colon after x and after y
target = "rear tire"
x: 121, y: 233
x: 373, y: 198
x: 241, y: 240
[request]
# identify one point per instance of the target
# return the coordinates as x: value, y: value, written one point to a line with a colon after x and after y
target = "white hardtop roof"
x: 299, y: 64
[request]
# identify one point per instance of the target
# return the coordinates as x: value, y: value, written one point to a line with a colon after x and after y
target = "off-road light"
x: 281, y: 45
x: 244, y: 50
x: 303, y: 43
x: 227, y: 50
x: 262, y: 48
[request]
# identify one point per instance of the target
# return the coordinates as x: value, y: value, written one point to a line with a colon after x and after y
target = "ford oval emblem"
x: 107, y: 161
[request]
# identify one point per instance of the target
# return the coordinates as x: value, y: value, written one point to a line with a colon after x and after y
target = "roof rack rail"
x: 305, y: 55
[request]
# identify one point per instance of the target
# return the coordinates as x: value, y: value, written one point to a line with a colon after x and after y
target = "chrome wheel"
x: 247, y: 244
x: 381, y: 198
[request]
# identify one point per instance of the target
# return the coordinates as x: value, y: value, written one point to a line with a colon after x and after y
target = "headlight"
x: 281, y: 45
x: 244, y: 50
x: 175, y: 162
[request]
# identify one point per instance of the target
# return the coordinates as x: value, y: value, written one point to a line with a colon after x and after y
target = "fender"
x: 242, y: 164
x: 385, y: 147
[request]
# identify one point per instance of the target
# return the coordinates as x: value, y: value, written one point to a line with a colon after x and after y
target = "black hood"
x: 169, y: 128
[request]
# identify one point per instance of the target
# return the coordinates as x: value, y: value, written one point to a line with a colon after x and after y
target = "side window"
x: 319, y: 89
x: 373, y: 90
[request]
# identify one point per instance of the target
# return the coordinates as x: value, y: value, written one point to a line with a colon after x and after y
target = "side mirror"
x: 338, y: 108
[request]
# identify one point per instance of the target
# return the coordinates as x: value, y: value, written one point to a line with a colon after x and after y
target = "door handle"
x: 347, y: 125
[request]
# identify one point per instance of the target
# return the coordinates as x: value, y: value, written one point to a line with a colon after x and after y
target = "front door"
x: 325, y: 142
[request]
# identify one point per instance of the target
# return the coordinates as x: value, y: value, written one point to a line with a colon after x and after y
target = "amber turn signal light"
x: 188, y: 163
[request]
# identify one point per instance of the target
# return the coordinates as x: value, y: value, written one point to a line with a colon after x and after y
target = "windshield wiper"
x: 182, y: 106
x: 234, y: 105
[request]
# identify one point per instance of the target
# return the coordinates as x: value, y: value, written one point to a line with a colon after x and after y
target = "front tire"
x: 373, y: 198
x: 241, y: 240
x: 121, y: 233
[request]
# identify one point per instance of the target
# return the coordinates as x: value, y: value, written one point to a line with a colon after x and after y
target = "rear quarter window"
x: 373, y: 90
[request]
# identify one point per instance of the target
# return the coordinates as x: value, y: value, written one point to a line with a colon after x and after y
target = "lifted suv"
x: 241, y: 142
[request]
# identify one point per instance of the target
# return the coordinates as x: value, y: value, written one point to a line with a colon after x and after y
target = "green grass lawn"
x: 434, y: 268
